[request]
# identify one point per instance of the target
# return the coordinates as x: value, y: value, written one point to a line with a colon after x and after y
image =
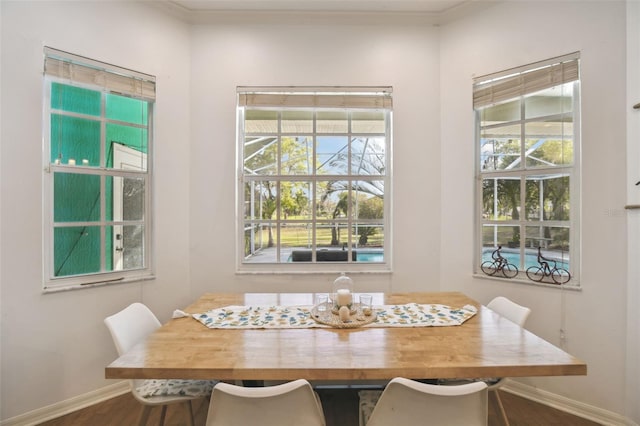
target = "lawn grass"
x: 301, y: 236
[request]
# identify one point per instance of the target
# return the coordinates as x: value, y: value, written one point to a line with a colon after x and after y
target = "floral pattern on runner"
x: 419, y: 315
x: 408, y: 315
x: 258, y: 317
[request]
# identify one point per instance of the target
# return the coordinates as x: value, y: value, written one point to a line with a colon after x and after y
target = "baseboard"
x: 59, y: 409
x: 586, y: 411
x: 67, y: 406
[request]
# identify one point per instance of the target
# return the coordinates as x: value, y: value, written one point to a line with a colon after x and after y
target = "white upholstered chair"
x: 408, y: 402
x: 289, y: 404
x: 129, y: 327
x: 515, y: 313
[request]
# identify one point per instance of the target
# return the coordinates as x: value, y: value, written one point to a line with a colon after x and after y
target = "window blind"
x: 500, y: 87
x: 330, y: 97
x: 111, y: 78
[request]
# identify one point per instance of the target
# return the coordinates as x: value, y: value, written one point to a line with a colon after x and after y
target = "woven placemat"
x: 333, y: 320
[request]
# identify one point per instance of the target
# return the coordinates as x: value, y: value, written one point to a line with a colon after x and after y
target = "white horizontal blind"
x: 500, y: 87
x: 94, y: 73
x: 330, y: 97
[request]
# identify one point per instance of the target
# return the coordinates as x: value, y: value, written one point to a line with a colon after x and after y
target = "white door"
x: 128, y: 204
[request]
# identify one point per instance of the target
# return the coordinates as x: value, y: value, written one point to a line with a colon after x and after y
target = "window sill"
x: 48, y: 288
x: 572, y: 287
x: 313, y: 271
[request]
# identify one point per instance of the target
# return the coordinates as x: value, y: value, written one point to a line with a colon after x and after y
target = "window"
x: 528, y: 182
x: 97, y: 180
x: 314, y: 179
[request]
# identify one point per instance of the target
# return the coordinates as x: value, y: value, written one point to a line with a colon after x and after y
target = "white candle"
x: 344, y: 297
x: 71, y: 162
x: 344, y: 314
x: 85, y: 162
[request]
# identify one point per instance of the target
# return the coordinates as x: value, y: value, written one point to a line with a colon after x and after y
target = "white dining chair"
x: 515, y: 313
x: 293, y: 403
x: 510, y: 310
x: 408, y: 402
x: 128, y: 328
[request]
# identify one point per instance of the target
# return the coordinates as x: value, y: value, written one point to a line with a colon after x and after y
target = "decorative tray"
x: 353, y: 309
x: 357, y: 319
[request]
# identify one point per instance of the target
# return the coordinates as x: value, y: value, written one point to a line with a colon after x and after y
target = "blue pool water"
x: 370, y: 256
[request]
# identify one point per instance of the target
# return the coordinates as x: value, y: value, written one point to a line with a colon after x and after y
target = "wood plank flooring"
x: 340, y: 406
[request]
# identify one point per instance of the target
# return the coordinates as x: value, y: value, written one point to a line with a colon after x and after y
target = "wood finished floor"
x: 340, y: 406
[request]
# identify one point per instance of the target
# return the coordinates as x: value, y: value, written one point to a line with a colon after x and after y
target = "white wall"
x: 633, y: 216
x: 55, y: 346
x: 294, y: 50
x: 512, y: 34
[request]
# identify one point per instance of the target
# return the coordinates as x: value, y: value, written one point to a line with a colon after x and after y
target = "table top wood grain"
x: 487, y: 345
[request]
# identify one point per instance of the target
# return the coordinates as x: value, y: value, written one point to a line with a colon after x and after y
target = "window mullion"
x: 314, y: 190
x: 523, y: 183
x: 350, y: 199
x: 279, y: 188
x: 522, y: 120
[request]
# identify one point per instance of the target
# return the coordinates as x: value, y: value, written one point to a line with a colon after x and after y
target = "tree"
x: 367, y: 159
x: 261, y: 155
x: 507, y: 192
x: 341, y: 209
x: 539, y: 152
x: 368, y: 208
x: 293, y: 199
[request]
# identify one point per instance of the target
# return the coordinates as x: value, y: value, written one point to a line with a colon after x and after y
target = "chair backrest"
x: 131, y: 325
x: 407, y: 402
x: 510, y: 310
x: 288, y: 404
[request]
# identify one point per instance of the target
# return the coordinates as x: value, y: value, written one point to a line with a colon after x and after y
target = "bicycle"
x: 499, y: 264
x: 539, y: 272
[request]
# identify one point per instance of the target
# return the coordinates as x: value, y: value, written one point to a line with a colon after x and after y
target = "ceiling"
x: 435, y: 12
x: 424, y: 6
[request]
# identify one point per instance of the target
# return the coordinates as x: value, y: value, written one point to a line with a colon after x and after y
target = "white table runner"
x: 407, y: 315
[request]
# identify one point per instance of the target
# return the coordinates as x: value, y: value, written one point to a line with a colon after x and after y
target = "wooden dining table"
x: 486, y: 345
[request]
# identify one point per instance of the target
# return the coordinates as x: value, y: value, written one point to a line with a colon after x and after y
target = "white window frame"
x: 314, y: 99
x: 511, y: 85
x: 77, y: 71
